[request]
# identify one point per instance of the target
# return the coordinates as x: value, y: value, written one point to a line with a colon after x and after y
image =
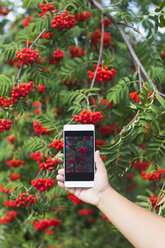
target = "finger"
x: 99, y: 162
x: 61, y: 184
x: 61, y: 172
x: 60, y: 178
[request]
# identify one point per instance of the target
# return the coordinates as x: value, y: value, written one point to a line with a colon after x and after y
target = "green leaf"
x: 36, y: 144
x: 31, y: 3
x: 161, y: 100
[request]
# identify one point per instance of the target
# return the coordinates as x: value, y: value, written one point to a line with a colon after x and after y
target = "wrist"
x: 104, y: 195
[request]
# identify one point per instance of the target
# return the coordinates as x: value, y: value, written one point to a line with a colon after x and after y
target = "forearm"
x: 141, y: 227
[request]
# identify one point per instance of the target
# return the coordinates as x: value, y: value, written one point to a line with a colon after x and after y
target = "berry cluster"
x: 22, y: 90
x: 28, y: 43
x: 51, y: 164
x: 15, y: 163
x: 27, y: 56
x: 10, y: 204
x: 102, y: 101
x: 129, y: 175
x: 96, y: 38
x: 37, y: 103
x: 83, y: 150
x: 141, y: 165
x: 13, y: 62
x: 58, y: 55
x: 155, y: 201
x: 14, y: 177
x: 42, y: 183
x: 82, y: 17
x: 26, y: 21
x: 99, y: 143
x: 3, y: 11
x: 41, y: 88
x: 38, y: 128
x: 135, y: 96
x: 76, y: 51
x: 88, y: 117
x: 86, y: 211
x: 25, y: 201
x: 44, y: 224
x: 107, y: 22
x: 74, y: 199
x: 9, y: 217
x: 105, y: 217
x: 107, y: 129
x: 18, y: 91
x: 70, y: 84
x: 47, y: 35
x: 3, y: 190
x: 103, y: 74
x: 36, y: 156
x: 46, y: 7
x: 162, y: 55
x: 57, y: 144
x: 11, y: 139
x: 146, y: 131
x: 5, y: 125
x: 63, y: 21
x: 155, y: 176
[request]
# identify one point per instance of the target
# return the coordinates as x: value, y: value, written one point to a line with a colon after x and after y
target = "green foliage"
x: 75, y: 68
x: 31, y: 3
x: 75, y: 99
x: 151, y: 60
x: 9, y: 50
x: 36, y: 144
x: 132, y: 131
x: 120, y: 91
x: 5, y: 85
x: 48, y: 121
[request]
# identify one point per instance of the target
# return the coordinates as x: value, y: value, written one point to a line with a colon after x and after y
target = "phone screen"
x: 79, y: 155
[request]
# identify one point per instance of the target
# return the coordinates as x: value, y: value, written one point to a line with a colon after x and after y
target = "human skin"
x: 142, y: 228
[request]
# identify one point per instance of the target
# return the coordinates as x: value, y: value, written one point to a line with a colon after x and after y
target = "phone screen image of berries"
x: 79, y: 154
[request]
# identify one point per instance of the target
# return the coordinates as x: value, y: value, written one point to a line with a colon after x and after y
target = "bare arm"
x: 141, y: 227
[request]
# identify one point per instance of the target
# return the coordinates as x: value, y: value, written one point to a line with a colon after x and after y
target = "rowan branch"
x: 129, y: 26
x: 130, y: 123
x: 101, y: 49
x: 60, y: 134
x: 31, y: 46
x: 140, y: 79
x: 160, y: 194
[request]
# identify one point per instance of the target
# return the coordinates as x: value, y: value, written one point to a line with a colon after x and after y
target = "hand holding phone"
x: 79, y: 143
x: 90, y: 195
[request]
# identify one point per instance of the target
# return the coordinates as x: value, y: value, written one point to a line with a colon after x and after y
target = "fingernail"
x: 98, y: 152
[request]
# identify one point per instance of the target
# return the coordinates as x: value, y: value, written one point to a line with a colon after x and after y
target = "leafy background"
x: 126, y: 143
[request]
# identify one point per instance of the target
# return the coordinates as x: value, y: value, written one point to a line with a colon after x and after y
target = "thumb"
x: 99, y: 162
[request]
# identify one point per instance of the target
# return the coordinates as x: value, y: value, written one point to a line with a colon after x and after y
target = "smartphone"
x: 79, y: 145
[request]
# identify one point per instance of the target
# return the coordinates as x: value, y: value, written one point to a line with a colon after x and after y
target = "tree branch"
x: 160, y: 194
x: 20, y: 69
x: 140, y: 79
x: 101, y: 49
x: 125, y: 127
x: 127, y: 25
x: 60, y: 134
